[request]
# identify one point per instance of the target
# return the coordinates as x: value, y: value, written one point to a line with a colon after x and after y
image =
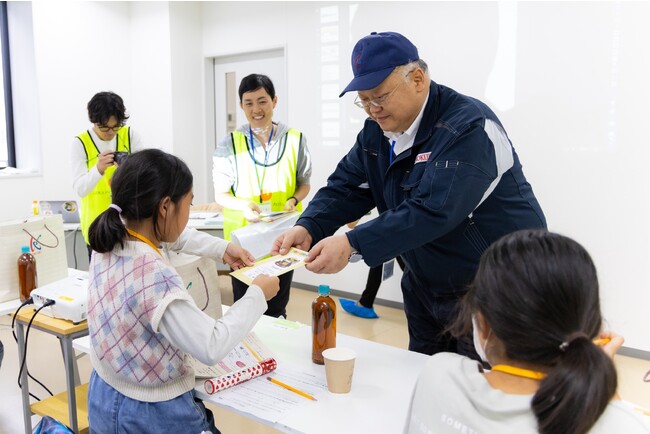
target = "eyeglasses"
x: 379, y: 101
x: 105, y: 129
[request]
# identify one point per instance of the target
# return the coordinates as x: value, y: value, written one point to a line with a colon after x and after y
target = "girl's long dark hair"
x: 538, y: 291
x: 138, y: 185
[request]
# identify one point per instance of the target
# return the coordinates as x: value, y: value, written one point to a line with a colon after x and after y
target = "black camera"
x: 119, y: 157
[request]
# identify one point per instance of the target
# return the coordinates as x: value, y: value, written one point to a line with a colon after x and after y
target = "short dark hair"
x: 103, y: 105
x: 536, y: 290
x: 138, y: 186
x: 253, y: 82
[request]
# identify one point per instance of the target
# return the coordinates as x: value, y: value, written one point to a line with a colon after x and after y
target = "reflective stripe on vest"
x: 279, y: 177
x: 98, y: 200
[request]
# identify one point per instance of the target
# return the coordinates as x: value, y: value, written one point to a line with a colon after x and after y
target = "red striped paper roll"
x: 213, y: 385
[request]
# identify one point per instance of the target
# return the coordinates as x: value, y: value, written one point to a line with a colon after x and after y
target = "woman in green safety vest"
x: 263, y: 166
x: 93, y: 155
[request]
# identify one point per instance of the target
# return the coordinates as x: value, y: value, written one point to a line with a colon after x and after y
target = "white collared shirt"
x: 405, y: 139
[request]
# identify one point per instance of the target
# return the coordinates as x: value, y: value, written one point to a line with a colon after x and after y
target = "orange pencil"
x: 602, y: 341
x: 293, y: 389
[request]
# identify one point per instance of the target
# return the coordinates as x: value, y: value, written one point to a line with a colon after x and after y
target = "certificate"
x: 273, y: 266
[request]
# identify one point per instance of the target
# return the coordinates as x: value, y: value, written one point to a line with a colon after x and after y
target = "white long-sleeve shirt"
x: 190, y: 329
x: 452, y: 396
x: 130, y: 303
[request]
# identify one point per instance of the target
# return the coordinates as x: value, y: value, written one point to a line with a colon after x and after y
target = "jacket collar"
x: 430, y: 116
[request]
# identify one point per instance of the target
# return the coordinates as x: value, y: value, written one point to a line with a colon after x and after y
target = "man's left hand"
x: 329, y: 255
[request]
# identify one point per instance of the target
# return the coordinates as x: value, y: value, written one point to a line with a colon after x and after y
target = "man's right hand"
x: 104, y: 160
x: 297, y: 236
x: 270, y: 285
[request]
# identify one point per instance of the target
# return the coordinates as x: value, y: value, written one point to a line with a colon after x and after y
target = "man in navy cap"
x: 439, y: 167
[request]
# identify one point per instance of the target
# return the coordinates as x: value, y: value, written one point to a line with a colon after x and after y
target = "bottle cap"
x: 25, y: 249
x: 323, y: 289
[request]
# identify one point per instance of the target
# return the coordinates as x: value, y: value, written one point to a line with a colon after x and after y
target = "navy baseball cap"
x: 375, y: 56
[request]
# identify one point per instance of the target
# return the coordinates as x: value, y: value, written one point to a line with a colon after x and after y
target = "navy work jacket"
x: 441, y: 203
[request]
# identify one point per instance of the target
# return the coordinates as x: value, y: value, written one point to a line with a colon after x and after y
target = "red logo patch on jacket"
x: 421, y: 158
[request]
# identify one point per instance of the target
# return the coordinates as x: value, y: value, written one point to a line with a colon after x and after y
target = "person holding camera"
x: 96, y: 152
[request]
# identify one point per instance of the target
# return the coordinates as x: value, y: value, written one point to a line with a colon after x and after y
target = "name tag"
x: 422, y: 158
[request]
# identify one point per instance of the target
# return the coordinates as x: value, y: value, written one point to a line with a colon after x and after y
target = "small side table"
x: 55, y: 406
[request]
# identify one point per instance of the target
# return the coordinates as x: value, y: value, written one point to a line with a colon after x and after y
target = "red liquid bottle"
x: 27, y: 279
x: 323, y: 324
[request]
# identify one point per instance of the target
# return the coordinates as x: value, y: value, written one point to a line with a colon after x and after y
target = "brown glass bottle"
x: 27, y: 279
x: 323, y: 324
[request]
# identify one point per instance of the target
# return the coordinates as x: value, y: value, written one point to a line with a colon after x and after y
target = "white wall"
x: 75, y: 50
x: 568, y: 80
x: 55, y: 71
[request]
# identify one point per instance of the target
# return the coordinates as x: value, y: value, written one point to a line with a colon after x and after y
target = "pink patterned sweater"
x: 129, y: 290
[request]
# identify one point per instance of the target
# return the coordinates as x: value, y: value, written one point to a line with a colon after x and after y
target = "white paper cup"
x: 339, y: 367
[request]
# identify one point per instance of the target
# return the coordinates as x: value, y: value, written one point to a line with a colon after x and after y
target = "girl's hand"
x: 615, y: 342
x: 237, y: 257
x: 270, y: 285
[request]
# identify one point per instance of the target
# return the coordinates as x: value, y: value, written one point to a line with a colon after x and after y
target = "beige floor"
x: 46, y: 364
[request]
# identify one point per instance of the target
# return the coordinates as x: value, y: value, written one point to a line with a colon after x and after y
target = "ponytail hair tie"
x: 115, y: 207
x: 572, y: 337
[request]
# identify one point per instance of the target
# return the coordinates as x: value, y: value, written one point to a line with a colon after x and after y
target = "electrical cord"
x: 74, y: 248
x: 74, y: 245
x: 23, y: 365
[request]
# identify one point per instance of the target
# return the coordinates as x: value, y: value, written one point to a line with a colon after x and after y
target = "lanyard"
x: 266, y: 158
x: 519, y: 372
x: 392, y: 146
x: 143, y: 239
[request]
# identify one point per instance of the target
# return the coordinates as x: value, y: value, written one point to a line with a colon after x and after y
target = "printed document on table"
x: 271, y: 402
x: 273, y: 266
x: 248, y: 352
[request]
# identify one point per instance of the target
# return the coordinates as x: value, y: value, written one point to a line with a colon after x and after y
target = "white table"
x: 9, y: 306
x: 64, y: 406
x: 383, y: 381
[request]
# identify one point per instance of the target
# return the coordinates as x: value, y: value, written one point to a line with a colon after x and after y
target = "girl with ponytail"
x: 534, y: 310
x: 142, y: 322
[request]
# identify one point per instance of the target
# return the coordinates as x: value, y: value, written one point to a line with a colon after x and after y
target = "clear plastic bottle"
x: 27, y: 278
x: 323, y: 324
x: 36, y: 209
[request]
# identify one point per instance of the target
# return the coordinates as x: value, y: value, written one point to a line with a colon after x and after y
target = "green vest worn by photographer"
x: 98, y: 200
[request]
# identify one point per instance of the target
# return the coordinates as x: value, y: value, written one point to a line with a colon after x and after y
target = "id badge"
x: 265, y: 208
x: 388, y: 269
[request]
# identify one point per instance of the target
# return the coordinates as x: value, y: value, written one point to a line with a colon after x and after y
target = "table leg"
x: 75, y: 366
x: 70, y: 371
x: 24, y: 390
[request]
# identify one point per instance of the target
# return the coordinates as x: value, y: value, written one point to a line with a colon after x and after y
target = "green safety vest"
x: 98, y: 200
x: 279, y: 178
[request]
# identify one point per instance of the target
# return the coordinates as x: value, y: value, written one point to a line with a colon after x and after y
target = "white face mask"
x: 480, y: 349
